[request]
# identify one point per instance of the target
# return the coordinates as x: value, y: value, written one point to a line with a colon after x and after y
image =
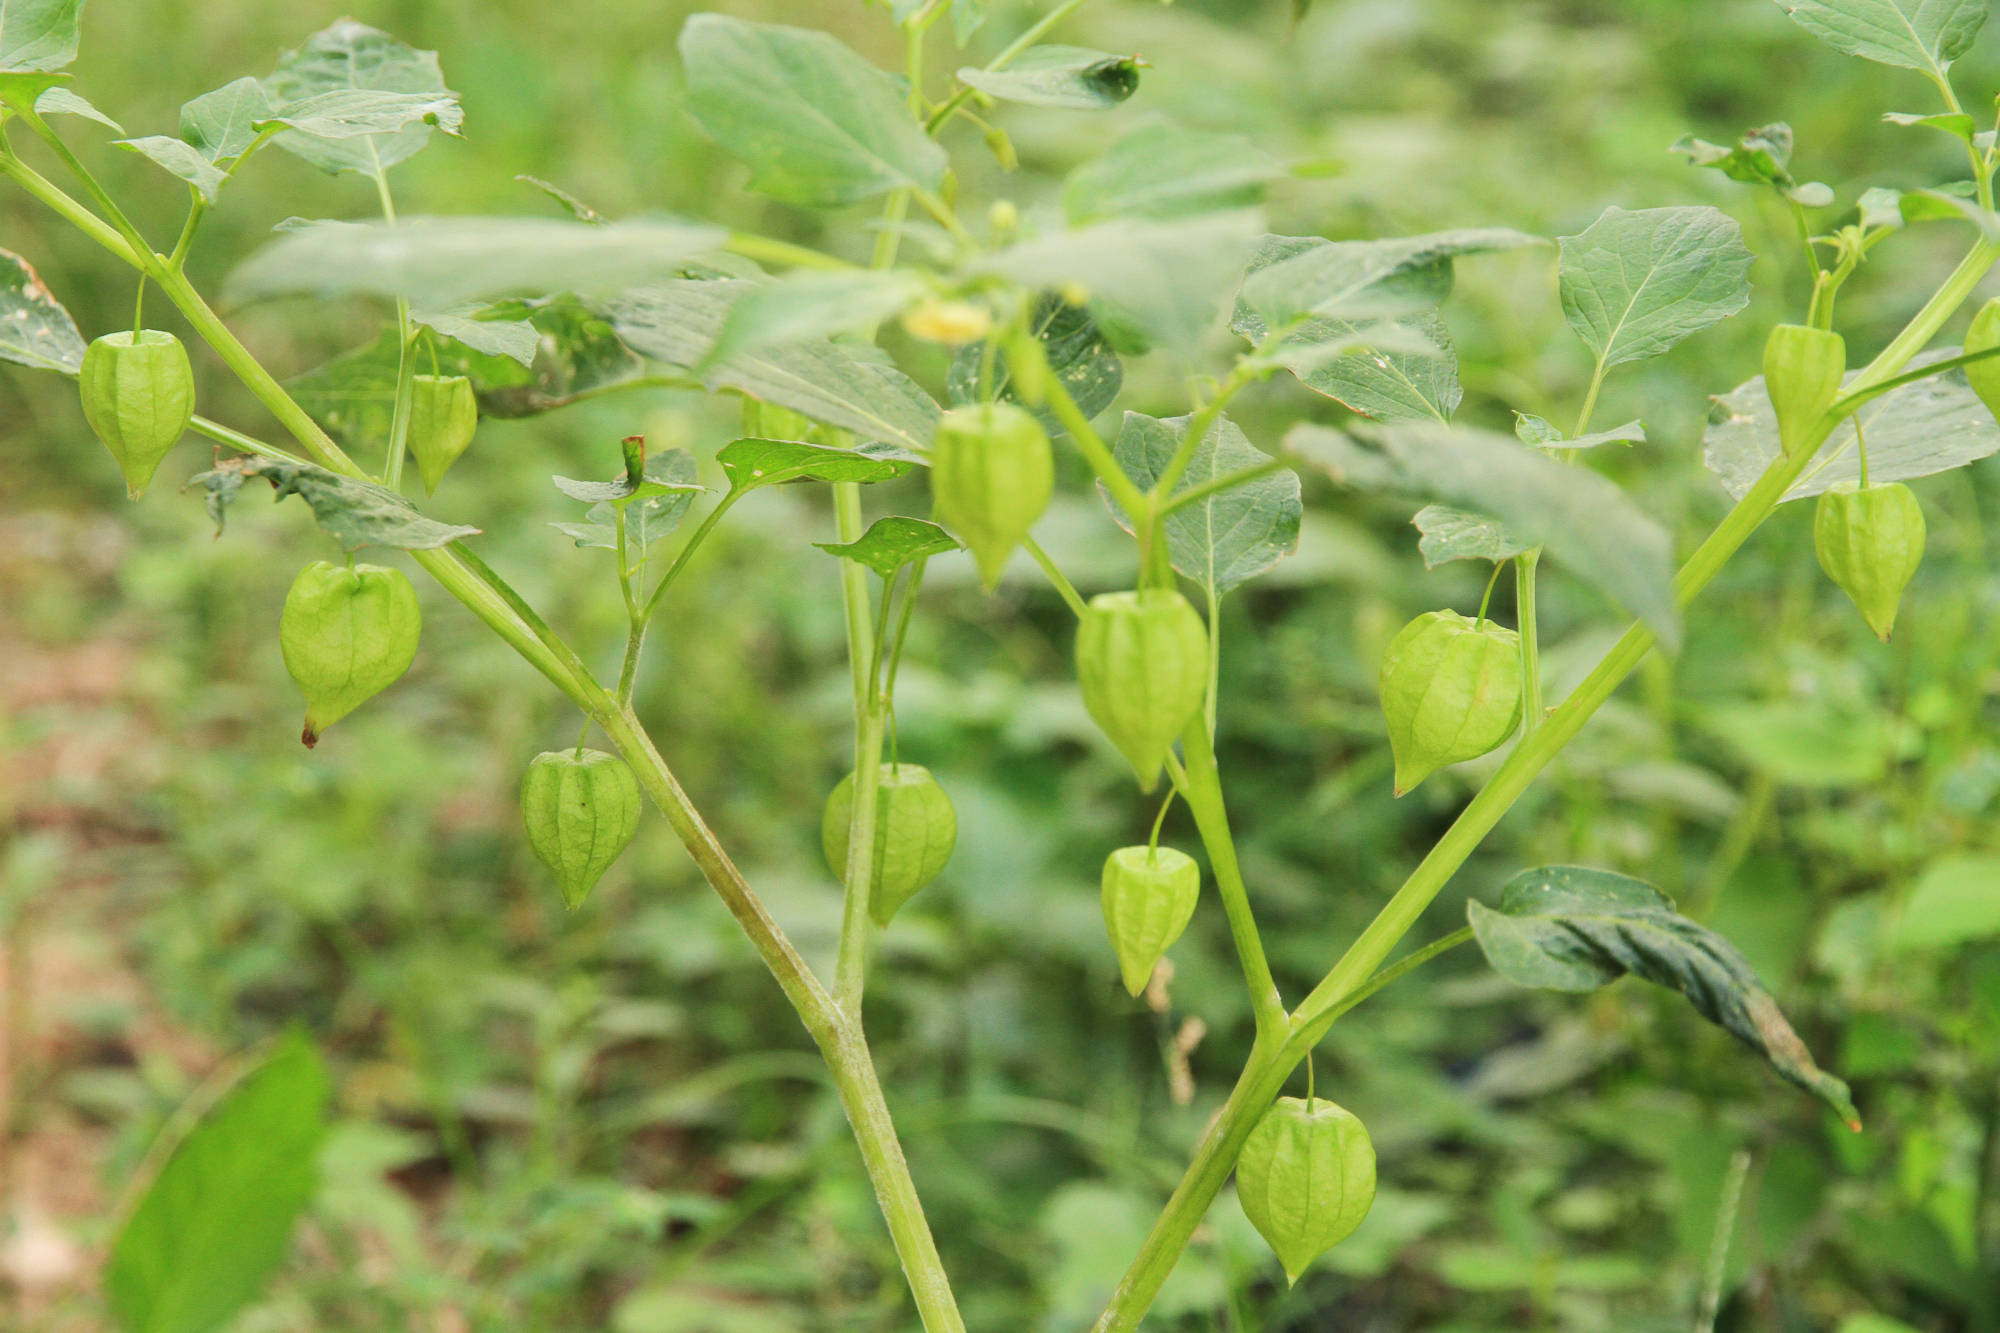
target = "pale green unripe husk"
x: 915, y: 830
x: 1451, y: 691
x: 1803, y: 367
x: 347, y: 634
x: 1306, y: 1179
x: 138, y: 396
x: 444, y: 413
x: 992, y: 472
x: 1870, y: 542
x: 1149, y: 895
x: 581, y: 808
x: 1142, y: 660
x: 1984, y: 335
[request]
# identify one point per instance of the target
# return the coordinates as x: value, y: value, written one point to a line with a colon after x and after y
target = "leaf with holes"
x: 1572, y: 928
x: 354, y: 513
x: 35, y: 330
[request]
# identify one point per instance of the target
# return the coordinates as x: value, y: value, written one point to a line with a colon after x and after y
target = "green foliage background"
x: 610, y: 1119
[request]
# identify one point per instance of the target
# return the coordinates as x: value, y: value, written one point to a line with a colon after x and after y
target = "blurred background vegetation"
x: 609, y: 1119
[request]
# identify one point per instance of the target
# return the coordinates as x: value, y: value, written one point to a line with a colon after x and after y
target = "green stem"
x: 1061, y: 580
x: 767, y: 251
x: 1525, y: 565
x: 1005, y: 58
x: 635, y: 616
x: 1095, y: 452
x: 693, y: 543
x: 406, y: 366
x: 851, y: 961
x: 236, y: 439
x: 1201, y: 787
x: 1267, y: 1069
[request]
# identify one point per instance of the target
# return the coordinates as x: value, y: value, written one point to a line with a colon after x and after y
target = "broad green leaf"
x: 1070, y: 77
x: 1293, y: 277
x: 354, y: 513
x: 353, y: 56
x: 653, y: 509
x: 1231, y: 536
x: 1163, y: 171
x: 1584, y: 520
x: 1451, y: 533
x: 809, y: 305
x: 750, y: 463
x: 1804, y: 742
x: 515, y: 339
x: 836, y: 383
x: 1930, y: 426
x: 180, y: 159
x: 1955, y: 901
x: 1078, y: 356
x: 1165, y: 279
x: 1572, y: 928
x: 1400, y: 371
x: 1924, y: 35
x: 438, y: 262
x: 34, y: 328
x: 63, y: 102
x: 218, y: 1220
x: 223, y: 123
x: 814, y: 122
x: 1635, y: 283
x: 358, y: 113
x: 890, y: 543
x: 1539, y: 431
x: 38, y: 35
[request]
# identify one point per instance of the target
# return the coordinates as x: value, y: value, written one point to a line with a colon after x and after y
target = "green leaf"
x: 218, y: 1220
x: 1635, y: 283
x: 1804, y: 742
x: 1234, y: 534
x: 1163, y: 278
x: 653, y: 508
x: 352, y: 56
x: 354, y: 513
x: 35, y: 330
x: 1955, y: 901
x: 1069, y: 77
x: 1957, y: 124
x: 815, y: 123
x: 180, y: 159
x: 438, y: 262
x: 515, y: 339
x: 38, y: 35
x: 1451, y: 533
x: 1584, y: 520
x: 1078, y: 355
x: 1761, y: 157
x: 357, y: 113
x: 1400, y: 371
x: 1539, y: 431
x: 1930, y: 426
x: 574, y: 206
x: 63, y: 102
x: 809, y: 305
x: 750, y: 463
x: 890, y: 543
x: 221, y: 124
x: 1293, y: 277
x: 1924, y: 35
x: 1572, y: 928
x: 839, y: 384
x: 1163, y: 171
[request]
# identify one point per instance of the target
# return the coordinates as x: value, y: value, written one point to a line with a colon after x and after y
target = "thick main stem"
x: 851, y: 963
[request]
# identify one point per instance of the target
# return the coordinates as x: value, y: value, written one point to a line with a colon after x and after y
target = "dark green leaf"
x: 1572, y: 928
x: 1583, y: 519
x: 354, y: 513
x: 1069, y: 77
x: 1451, y: 533
x: 352, y: 56
x: 750, y: 463
x: 34, y: 328
x: 38, y: 35
x: 1234, y: 534
x: 1077, y: 354
x: 890, y: 543
x: 1163, y: 171
x: 1634, y: 284
x: 438, y: 262
x: 223, y: 123
x: 839, y: 384
x: 815, y: 123
x: 1924, y: 35
x: 1930, y: 426
x: 218, y: 1220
